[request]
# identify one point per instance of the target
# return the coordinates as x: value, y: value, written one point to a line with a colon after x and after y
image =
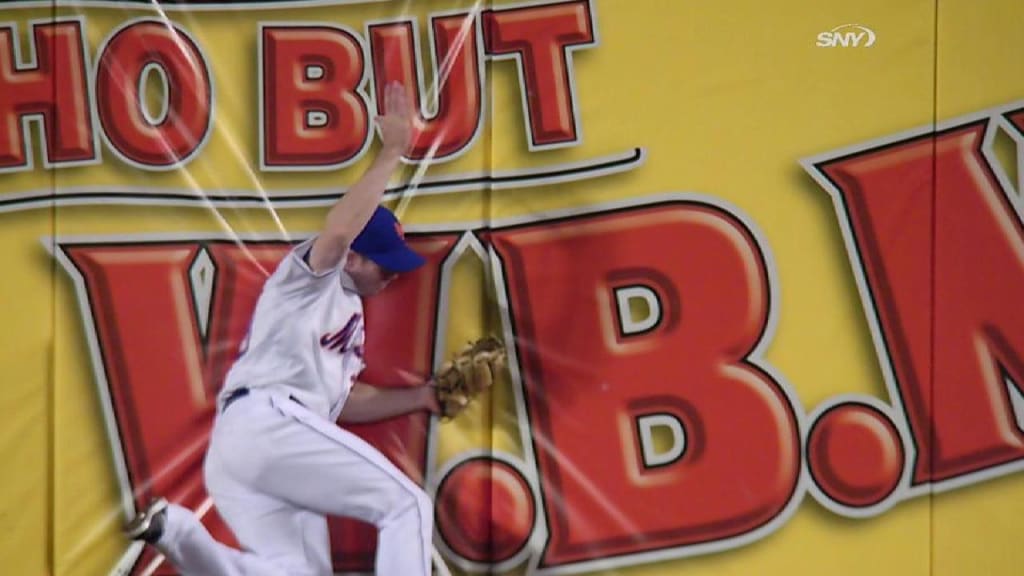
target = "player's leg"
x: 294, y: 539
x: 179, y: 535
x: 342, y: 475
x: 244, y: 441
x: 354, y: 479
x: 311, y: 463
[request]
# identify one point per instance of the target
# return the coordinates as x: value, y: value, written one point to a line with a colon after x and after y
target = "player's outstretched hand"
x: 396, y: 123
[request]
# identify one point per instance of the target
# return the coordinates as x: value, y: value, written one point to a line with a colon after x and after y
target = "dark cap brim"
x: 401, y: 259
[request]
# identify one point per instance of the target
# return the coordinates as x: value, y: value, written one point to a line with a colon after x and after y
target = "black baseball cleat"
x: 148, y: 524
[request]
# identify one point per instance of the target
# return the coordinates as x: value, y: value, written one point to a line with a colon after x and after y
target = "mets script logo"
x: 847, y: 36
x: 345, y: 339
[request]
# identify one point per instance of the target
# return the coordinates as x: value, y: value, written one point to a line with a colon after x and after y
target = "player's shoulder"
x: 294, y: 269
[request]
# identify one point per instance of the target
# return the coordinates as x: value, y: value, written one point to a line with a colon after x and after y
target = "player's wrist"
x: 388, y: 159
x: 428, y: 398
x: 391, y: 151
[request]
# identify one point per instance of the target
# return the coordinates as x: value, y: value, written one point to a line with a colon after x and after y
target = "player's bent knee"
x: 424, y: 507
x: 424, y: 503
x: 406, y: 501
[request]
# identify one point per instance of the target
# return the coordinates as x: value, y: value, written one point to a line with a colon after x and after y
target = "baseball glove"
x: 462, y: 379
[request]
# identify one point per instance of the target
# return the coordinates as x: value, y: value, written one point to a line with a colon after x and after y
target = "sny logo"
x: 847, y: 36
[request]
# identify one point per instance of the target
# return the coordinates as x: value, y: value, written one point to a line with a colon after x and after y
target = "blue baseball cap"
x: 383, y: 241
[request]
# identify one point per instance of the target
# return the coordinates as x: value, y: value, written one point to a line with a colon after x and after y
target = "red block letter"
x: 167, y: 141
x: 638, y: 324
x: 457, y: 70
x: 541, y: 38
x: 313, y: 113
x: 53, y: 86
x: 942, y: 250
x: 162, y: 375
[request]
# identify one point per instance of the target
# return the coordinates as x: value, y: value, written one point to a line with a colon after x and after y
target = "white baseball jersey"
x: 305, y: 338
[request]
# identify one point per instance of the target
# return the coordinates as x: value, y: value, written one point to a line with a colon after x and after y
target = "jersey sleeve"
x: 294, y: 275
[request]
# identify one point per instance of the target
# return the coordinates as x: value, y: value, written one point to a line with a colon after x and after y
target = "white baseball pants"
x: 274, y: 470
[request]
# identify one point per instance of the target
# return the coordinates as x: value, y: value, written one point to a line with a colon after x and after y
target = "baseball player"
x: 277, y: 463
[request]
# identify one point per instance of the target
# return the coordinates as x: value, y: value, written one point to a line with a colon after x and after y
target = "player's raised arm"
x: 349, y: 215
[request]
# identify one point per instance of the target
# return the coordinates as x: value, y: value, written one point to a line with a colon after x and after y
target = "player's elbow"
x: 327, y: 252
